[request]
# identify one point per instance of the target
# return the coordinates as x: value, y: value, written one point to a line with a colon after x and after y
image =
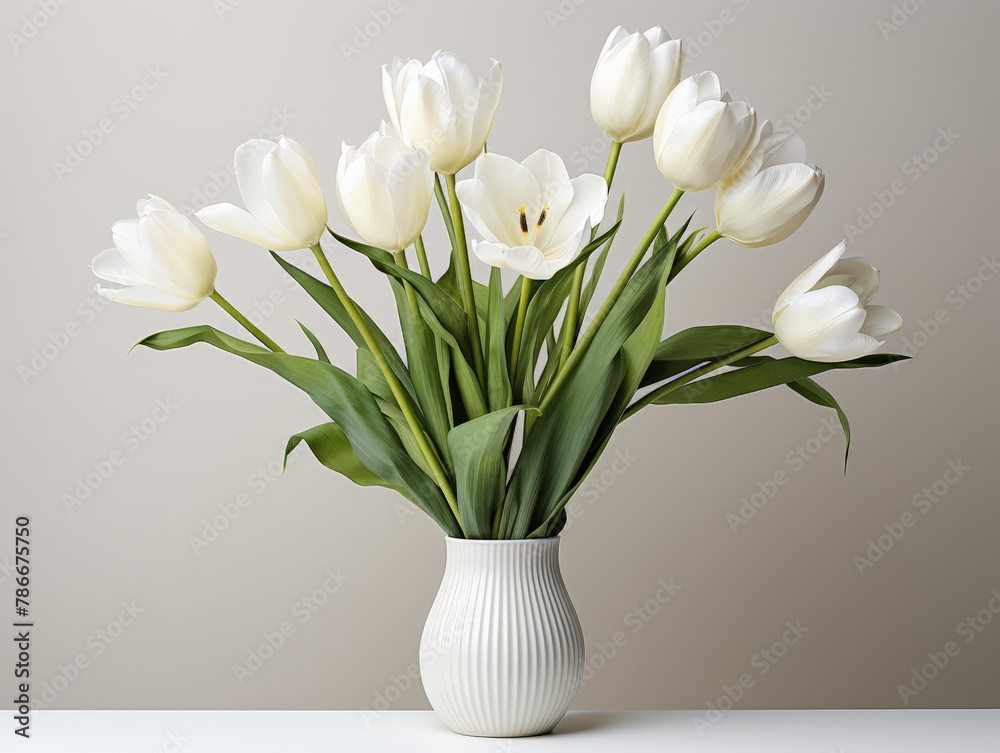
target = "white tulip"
x: 824, y: 314
x: 280, y: 187
x: 442, y: 107
x: 633, y: 76
x: 162, y: 260
x: 384, y: 189
x: 701, y: 136
x: 772, y: 194
x: 533, y: 218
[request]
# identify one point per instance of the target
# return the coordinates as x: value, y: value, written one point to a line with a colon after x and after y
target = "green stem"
x: 522, y: 310
x: 247, y: 324
x: 468, y: 293
x: 612, y: 298
x: 445, y: 209
x: 425, y: 268
x: 686, y: 258
x: 571, y: 323
x: 402, y: 399
x: 708, y: 368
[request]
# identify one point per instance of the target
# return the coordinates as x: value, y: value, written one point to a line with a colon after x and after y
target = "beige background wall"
x: 196, y: 431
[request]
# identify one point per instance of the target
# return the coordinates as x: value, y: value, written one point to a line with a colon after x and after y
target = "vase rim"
x: 500, y: 541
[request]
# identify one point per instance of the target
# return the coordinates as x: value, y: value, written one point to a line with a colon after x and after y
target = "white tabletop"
x: 913, y: 731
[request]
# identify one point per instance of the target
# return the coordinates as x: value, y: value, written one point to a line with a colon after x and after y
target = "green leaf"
x: 477, y: 447
x: 591, y: 398
x: 346, y: 401
x: 498, y: 391
x: 814, y: 393
x: 425, y: 371
x: 636, y: 353
x: 694, y: 346
x: 595, y: 275
x: 763, y: 375
x: 447, y: 312
x: 331, y: 447
x: 329, y: 301
x: 542, y: 312
x: 555, y: 447
x: 317, y: 345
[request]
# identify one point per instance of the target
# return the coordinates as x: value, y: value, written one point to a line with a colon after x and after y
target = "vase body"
x: 502, y: 651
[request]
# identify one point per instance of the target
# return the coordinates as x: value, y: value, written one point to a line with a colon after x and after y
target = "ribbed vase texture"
x: 502, y: 651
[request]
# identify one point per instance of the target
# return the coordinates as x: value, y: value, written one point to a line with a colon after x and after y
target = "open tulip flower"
x: 824, y: 315
x: 701, y: 136
x: 772, y: 194
x: 442, y: 107
x: 534, y: 220
x: 384, y: 189
x: 161, y: 260
x: 281, y: 189
x: 633, y: 76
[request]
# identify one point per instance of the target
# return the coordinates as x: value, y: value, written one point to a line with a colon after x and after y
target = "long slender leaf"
x: 693, y: 346
x: 595, y: 275
x: 425, y: 371
x: 446, y: 310
x: 498, y: 390
x: 317, y: 345
x: 345, y: 400
x: 331, y: 447
x: 328, y: 300
x: 477, y: 447
x: 561, y: 439
x: 762, y: 376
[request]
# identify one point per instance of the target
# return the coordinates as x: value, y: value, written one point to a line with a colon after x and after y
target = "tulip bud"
x: 280, y: 187
x: 772, y: 194
x: 442, y: 107
x: 824, y: 314
x: 162, y: 260
x: 633, y: 76
x: 384, y: 189
x: 701, y: 136
x: 534, y: 220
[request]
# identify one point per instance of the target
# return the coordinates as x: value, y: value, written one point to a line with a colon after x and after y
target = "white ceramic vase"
x: 502, y: 651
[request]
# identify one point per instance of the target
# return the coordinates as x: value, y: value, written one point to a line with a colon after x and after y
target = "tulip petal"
x: 855, y: 273
x: 555, y: 194
x: 296, y: 147
x: 410, y: 193
x: 295, y: 196
x: 110, y: 265
x: 485, y: 215
x: 820, y: 322
x: 153, y: 202
x: 249, y: 164
x: 482, y: 120
x: 880, y: 320
x: 148, y: 296
x: 236, y: 221
x: 805, y: 281
x: 489, y: 253
x: 528, y: 261
x: 363, y: 194
x: 619, y: 86
x: 771, y: 205
x: 665, y: 66
x: 179, y: 254
x: 859, y: 345
x: 429, y: 121
x: 590, y: 196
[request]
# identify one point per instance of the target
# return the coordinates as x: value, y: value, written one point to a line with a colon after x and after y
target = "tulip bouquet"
x: 503, y: 401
